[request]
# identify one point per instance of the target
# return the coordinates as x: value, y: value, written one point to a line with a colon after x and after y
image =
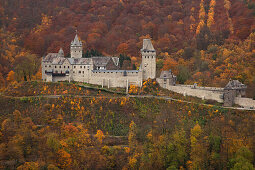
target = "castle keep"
x: 97, y: 70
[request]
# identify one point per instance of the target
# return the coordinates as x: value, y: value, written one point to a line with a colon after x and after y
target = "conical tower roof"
x: 61, y: 52
x: 76, y: 41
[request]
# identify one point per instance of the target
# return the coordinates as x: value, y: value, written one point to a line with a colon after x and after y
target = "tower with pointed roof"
x: 148, y: 60
x: 61, y: 52
x: 76, y: 48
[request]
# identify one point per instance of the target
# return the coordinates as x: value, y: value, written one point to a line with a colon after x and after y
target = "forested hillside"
x: 100, y: 131
x: 203, y: 41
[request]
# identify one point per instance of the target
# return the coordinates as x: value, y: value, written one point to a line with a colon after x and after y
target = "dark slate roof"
x: 118, y: 71
x: 58, y: 60
x: 50, y: 57
x: 166, y: 74
x: 80, y: 61
x: 101, y: 61
x: 235, y: 85
x: 147, y: 45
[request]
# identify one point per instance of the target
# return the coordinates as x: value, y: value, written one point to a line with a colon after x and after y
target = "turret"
x: 61, y: 52
x: 148, y: 60
x: 76, y: 48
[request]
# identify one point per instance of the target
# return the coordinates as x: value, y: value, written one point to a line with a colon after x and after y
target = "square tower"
x: 76, y: 48
x: 148, y: 60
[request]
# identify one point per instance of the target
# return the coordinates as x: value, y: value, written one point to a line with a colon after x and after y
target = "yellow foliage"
x: 10, y: 76
x: 132, y: 162
x: 100, y: 136
x: 200, y: 26
x: 127, y: 149
x: 133, y: 89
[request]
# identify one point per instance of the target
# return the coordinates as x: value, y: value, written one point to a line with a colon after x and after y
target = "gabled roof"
x: 50, y: 57
x: 116, y: 60
x: 147, y: 45
x: 101, y: 61
x: 58, y: 60
x: 80, y: 61
x: 61, y: 52
x: 166, y: 74
x: 235, y: 85
x: 76, y: 41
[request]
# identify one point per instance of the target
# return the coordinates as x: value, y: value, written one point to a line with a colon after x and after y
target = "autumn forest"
x: 207, y: 42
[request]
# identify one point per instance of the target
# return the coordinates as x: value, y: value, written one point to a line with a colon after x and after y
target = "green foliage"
x: 183, y: 75
x: 53, y: 142
x: 122, y: 58
x: 91, y: 53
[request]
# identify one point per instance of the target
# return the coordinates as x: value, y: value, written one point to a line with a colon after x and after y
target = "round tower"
x: 76, y: 48
x: 148, y: 60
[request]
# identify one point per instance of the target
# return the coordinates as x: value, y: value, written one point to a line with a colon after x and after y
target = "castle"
x: 104, y: 71
x: 97, y: 70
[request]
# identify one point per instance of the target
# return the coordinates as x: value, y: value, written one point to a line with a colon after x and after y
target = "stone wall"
x: 200, y: 93
x: 112, y: 78
x: 245, y: 102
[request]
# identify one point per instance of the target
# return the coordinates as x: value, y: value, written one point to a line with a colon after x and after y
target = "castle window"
x: 59, y: 66
x: 49, y: 65
x: 84, y: 66
x: 74, y: 66
x: 79, y: 71
x: 55, y: 66
x: 64, y: 66
x: 68, y: 67
x: 80, y: 66
x: 45, y: 65
x: 45, y: 71
x: 73, y: 71
x: 83, y: 72
x: 151, y: 56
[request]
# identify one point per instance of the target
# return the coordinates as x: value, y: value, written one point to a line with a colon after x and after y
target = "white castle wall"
x: 200, y: 93
x: 245, y: 102
x: 208, y: 93
x: 115, y: 79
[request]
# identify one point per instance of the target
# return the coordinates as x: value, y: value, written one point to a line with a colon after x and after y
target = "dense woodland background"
x: 203, y: 41
x: 110, y: 131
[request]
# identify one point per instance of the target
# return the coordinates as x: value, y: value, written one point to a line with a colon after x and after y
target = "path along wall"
x: 200, y: 93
